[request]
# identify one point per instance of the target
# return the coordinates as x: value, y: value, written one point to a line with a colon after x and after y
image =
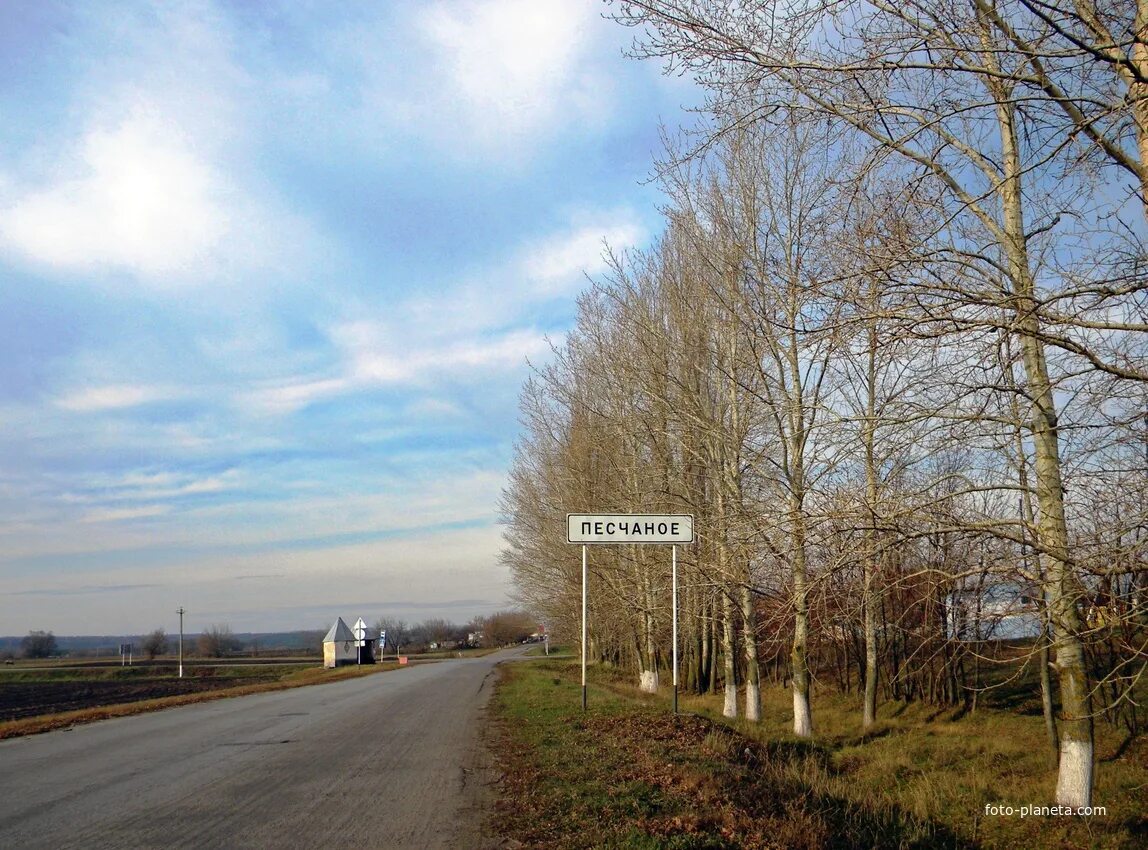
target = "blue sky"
x: 270, y: 274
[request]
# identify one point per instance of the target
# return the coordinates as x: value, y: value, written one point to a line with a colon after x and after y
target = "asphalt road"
x: 392, y: 760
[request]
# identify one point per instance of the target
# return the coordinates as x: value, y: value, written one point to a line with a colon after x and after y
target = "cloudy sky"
x: 270, y: 274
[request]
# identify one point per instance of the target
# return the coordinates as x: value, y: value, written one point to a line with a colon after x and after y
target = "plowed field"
x: 30, y: 699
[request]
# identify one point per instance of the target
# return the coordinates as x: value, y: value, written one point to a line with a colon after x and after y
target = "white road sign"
x: 629, y: 528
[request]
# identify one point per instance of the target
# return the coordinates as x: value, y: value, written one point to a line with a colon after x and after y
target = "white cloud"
x: 143, y: 200
x: 148, y: 196
x: 480, y: 325
x: 146, y: 487
x: 507, y: 59
x: 496, y: 75
x: 289, y: 397
x: 151, y: 173
x: 113, y: 397
x: 122, y: 514
x: 373, y: 354
x: 173, y: 486
x: 377, y: 357
x: 560, y: 261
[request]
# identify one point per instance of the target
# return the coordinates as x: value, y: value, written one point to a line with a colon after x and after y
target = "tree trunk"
x: 1074, y: 779
x: 728, y: 651
x: 649, y: 680
x: 869, y: 708
x: 869, y: 711
x: 1046, y: 689
x: 802, y: 719
x: 752, y: 671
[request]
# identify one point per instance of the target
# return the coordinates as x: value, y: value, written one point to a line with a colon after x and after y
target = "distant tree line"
x: 499, y: 629
x: 220, y: 641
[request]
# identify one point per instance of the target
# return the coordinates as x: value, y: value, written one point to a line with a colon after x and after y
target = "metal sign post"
x: 675, y: 629
x: 360, y: 639
x: 583, y: 627
x: 604, y: 529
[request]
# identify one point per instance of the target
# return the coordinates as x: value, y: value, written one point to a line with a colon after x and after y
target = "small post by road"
x: 180, y: 612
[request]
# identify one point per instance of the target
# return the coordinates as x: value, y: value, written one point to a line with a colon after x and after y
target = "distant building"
x: 339, y: 645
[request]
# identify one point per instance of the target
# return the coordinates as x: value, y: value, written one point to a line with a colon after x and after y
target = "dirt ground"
x: 30, y: 699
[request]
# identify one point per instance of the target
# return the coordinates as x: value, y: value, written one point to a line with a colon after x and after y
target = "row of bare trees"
x: 890, y: 351
x: 498, y: 629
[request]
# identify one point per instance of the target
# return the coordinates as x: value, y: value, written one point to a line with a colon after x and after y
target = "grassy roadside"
x: 293, y: 679
x: 626, y: 775
x: 540, y: 650
x: 439, y: 654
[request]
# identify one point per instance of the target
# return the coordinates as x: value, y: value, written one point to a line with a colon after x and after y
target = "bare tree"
x: 396, y: 632
x: 38, y: 644
x: 508, y: 627
x: 155, y: 643
x: 218, y: 641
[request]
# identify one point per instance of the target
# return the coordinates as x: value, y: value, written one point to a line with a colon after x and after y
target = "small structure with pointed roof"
x: 342, y: 645
x: 339, y: 645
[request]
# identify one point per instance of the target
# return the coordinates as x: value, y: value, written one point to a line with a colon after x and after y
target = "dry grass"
x: 945, y: 766
x: 627, y: 775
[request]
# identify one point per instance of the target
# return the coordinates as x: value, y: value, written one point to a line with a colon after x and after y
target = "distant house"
x: 339, y: 645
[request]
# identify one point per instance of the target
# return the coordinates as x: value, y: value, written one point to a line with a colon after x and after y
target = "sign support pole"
x: 583, y: 627
x: 180, y: 612
x: 675, y: 630
x: 629, y: 529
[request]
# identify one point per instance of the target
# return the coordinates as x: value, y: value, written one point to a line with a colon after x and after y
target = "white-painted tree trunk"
x: 648, y: 682
x: 1074, y: 780
x: 730, y: 707
x: 752, y: 670
x: 728, y: 649
x: 752, y: 701
x: 802, y: 719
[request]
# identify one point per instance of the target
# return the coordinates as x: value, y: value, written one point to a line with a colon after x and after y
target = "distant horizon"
x: 420, y: 612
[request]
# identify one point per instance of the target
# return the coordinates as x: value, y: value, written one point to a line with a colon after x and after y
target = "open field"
x: 627, y: 775
x: 37, y: 699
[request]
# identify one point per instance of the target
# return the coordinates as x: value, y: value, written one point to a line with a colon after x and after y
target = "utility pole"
x: 180, y: 612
